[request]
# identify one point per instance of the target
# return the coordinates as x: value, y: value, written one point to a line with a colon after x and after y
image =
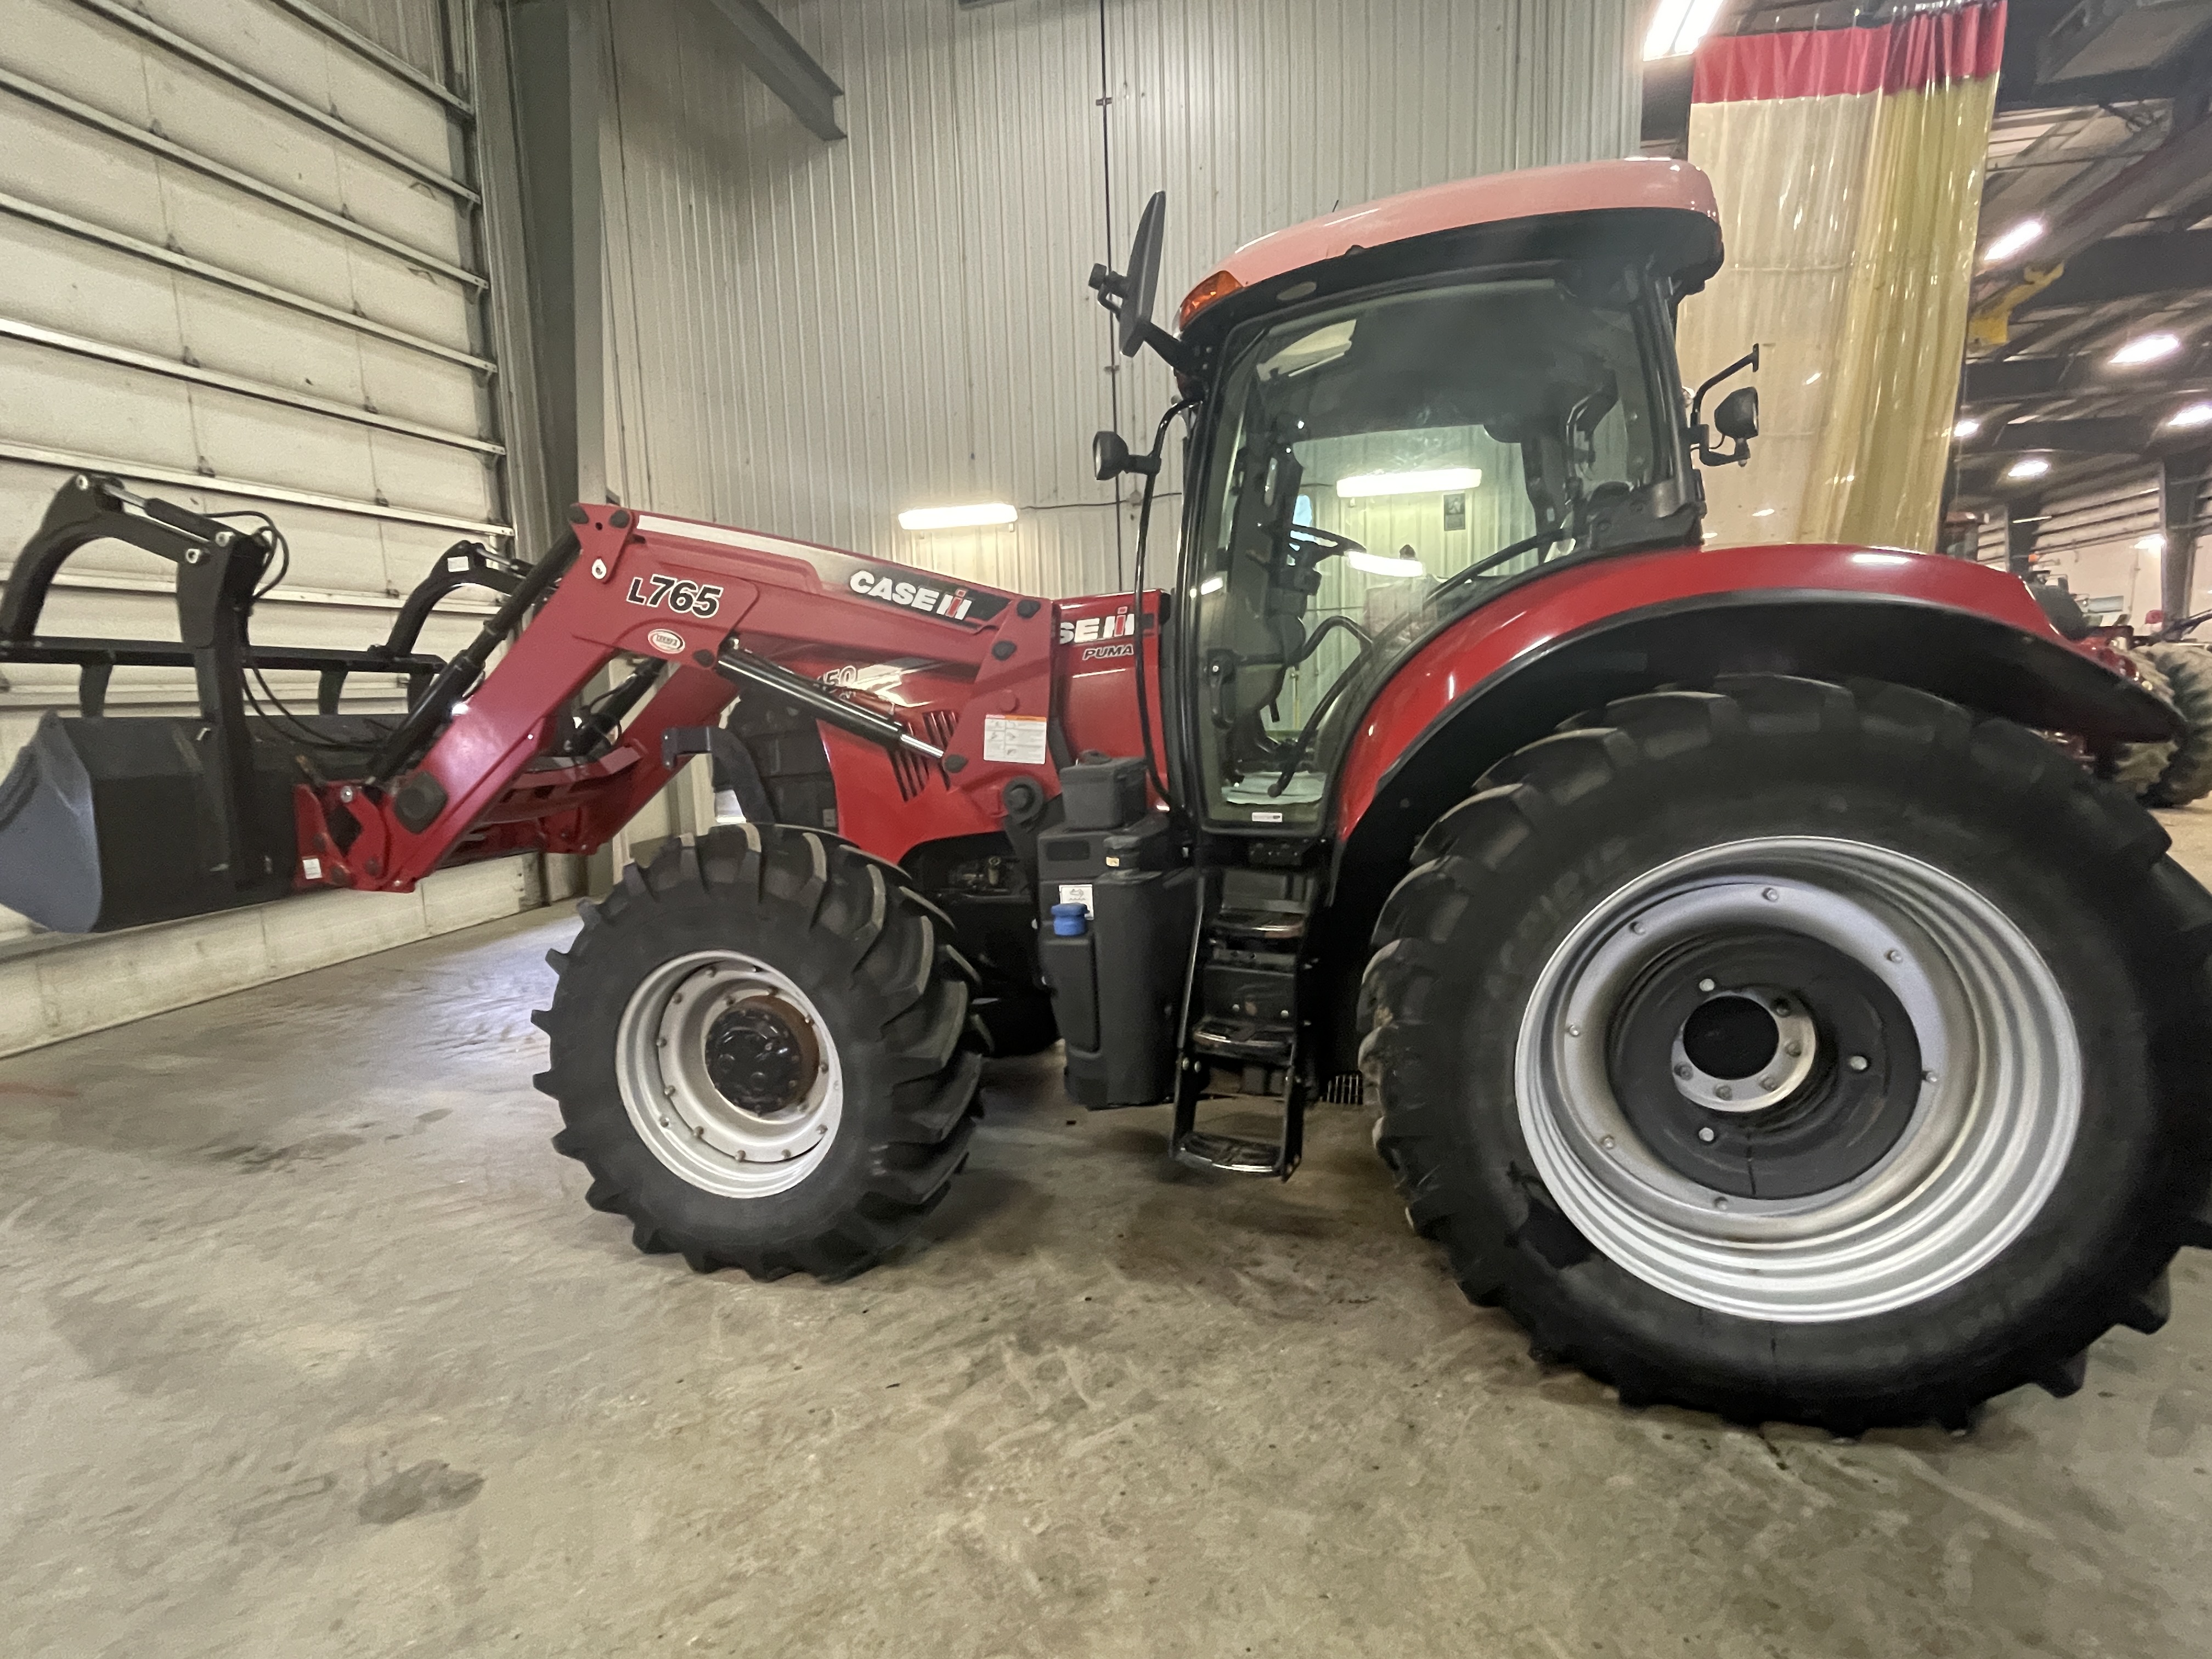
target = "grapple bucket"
x: 49, y: 842
x: 107, y: 823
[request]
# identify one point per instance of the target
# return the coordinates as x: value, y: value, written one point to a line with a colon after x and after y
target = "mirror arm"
x: 1172, y: 351
x: 1701, y: 437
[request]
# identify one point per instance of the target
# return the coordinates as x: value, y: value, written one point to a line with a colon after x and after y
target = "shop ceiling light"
x: 1968, y: 427
x: 2154, y: 542
x: 956, y: 518
x: 1382, y: 564
x: 2190, y: 416
x: 1408, y: 483
x: 2146, y: 349
x: 2022, y: 237
x: 2028, y: 466
x: 1677, y: 26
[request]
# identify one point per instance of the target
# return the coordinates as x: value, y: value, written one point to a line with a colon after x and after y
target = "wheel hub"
x: 729, y: 1074
x: 762, y: 1055
x: 1798, y: 1079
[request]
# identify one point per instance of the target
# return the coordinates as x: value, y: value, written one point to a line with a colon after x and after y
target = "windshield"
x: 1380, y: 467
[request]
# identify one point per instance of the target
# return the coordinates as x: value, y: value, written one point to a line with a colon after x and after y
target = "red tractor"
x: 1759, y: 1007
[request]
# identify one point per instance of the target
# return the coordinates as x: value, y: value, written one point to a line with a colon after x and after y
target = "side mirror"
x: 1129, y: 296
x: 1737, y: 416
x: 1110, y: 453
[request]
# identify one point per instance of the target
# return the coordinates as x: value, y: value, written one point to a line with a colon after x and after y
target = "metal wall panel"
x: 239, y: 264
x: 808, y: 337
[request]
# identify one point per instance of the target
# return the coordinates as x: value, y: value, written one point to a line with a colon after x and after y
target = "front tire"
x: 1974, y: 1128
x: 757, y: 1050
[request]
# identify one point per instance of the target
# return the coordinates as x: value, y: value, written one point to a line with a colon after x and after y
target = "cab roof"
x: 1531, y: 194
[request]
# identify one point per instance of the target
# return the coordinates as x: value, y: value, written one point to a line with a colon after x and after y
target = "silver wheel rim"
x: 1987, y: 1138
x: 685, y: 1119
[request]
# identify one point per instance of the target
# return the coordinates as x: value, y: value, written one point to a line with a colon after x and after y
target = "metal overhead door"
x: 242, y: 265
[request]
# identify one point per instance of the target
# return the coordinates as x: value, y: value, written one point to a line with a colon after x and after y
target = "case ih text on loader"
x: 1761, y: 1008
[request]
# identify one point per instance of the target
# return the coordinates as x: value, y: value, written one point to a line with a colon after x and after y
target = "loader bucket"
x: 49, y: 845
x: 116, y: 823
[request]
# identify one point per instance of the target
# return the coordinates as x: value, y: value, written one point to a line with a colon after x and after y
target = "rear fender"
x: 1560, y: 644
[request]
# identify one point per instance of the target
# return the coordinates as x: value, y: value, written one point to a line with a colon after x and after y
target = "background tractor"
x: 1757, y: 1007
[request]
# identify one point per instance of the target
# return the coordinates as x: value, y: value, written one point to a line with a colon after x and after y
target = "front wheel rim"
x: 729, y: 1074
x: 1988, y: 1135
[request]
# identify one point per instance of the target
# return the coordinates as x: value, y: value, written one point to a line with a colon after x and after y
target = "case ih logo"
x: 1120, y: 626
x: 952, y: 604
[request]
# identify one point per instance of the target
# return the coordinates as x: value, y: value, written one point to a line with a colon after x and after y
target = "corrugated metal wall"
x: 807, y: 337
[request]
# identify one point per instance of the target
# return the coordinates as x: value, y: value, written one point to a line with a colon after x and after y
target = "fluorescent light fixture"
x: 2154, y: 542
x: 2190, y: 416
x: 2146, y: 349
x: 1763, y: 512
x: 2028, y: 466
x: 1968, y: 427
x: 1214, y: 583
x: 1382, y: 564
x: 956, y: 518
x: 1408, y: 483
x: 1677, y: 26
x: 2019, y: 239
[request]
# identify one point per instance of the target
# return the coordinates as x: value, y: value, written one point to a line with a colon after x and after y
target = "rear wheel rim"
x: 729, y: 1074
x: 1989, y: 1131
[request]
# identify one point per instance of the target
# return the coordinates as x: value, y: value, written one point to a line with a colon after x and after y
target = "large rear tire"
x: 758, y: 1051
x: 2188, y: 775
x: 1797, y: 1051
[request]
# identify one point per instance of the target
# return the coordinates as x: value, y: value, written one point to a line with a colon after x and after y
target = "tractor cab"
x: 1396, y: 413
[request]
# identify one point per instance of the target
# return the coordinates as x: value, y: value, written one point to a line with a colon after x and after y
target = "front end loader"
x: 1757, y: 1004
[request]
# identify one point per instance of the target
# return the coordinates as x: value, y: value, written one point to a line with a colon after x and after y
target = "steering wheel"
x: 1326, y: 543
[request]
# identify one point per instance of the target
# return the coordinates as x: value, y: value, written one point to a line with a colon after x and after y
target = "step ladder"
x: 1242, y: 1044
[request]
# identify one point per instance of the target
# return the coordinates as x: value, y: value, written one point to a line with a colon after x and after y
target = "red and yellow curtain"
x: 1848, y: 166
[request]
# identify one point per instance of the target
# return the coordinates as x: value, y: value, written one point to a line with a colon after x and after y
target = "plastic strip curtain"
x: 1849, y: 165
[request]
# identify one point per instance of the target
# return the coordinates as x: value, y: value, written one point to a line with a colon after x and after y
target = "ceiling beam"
x: 2175, y: 175
x: 784, y: 66
x: 2089, y: 91
x: 2085, y: 374
x: 2144, y: 435
x: 2131, y: 267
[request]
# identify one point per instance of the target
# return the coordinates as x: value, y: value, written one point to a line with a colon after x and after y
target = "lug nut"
x: 1780, y: 1007
x: 1705, y: 1134
x: 1683, y: 1071
x: 1767, y: 1083
x: 1636, y: 927
x: 1720, y: 1204
x: 1574, y: 1030
x: 1857, y: 1062
x: 1927, y: 1076
x: 1725, y: 1092
x: 1705, y: 985
x: 1772, y: 896
x: 1606, y: 1141
x: 1893, y: 956
x: 1793, y: 1049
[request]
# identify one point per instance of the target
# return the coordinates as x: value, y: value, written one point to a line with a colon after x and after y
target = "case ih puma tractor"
x: 1759, y: 1007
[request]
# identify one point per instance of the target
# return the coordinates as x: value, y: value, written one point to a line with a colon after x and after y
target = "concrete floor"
x: 310, y: 1348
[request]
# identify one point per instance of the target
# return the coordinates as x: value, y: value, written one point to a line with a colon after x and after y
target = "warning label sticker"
x: 1018, y: 739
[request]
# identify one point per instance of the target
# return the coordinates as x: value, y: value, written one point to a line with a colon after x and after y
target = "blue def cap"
x: 1070, y: 921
